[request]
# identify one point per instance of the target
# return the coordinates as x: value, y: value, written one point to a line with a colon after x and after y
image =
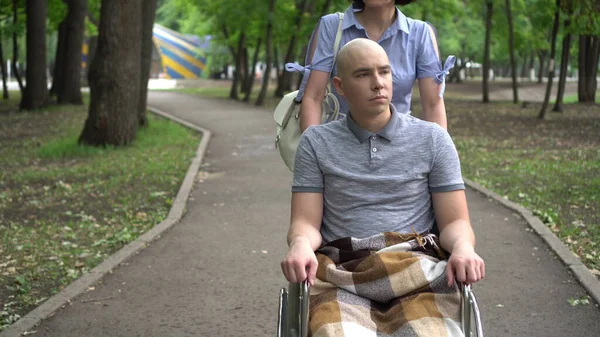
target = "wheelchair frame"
x: 294, y: 302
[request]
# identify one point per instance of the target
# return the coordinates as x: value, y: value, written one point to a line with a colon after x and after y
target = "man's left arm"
x: 457, y: 237
x: 451, y: 212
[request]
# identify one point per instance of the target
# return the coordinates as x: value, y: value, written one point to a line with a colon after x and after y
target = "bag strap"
x: 336, y: 47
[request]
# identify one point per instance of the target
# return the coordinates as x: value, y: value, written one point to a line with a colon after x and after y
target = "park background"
x: 85, y: 170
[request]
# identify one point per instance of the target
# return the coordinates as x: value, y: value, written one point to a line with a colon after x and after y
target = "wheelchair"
x: 294, y: 301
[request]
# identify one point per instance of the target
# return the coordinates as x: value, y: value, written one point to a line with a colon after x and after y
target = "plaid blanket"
x: 385, y: 285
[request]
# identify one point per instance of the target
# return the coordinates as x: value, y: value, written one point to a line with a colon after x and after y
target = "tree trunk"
x: 269, y: 45
x: 252, y: 75
x: 486, y: 50
x: 3, y: 69
x: 36, y: 90
x: 284, y: 82
x: 524, y: 72
x: 237, y: 74
x: 92, y: 46
x: 15, y: 60
x: 59, y: 59
x: 511, y: 48
x: 551, y: 67
x: 275, y: 57
x: 564, y: 64
x: 531, y: 64
x: 70, y: 90
x: 589, y: 50
x: 244, y: 71
x: 542, y: 66
x: 148, y: 16
x: 115, y: 76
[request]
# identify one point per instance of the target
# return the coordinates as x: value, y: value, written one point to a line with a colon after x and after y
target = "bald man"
x: 373, y: 173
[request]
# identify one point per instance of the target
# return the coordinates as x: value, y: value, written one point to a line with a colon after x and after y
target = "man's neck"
x: 372, y: 123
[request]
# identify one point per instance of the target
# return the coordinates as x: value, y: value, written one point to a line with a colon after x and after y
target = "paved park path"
x: 216, y: 273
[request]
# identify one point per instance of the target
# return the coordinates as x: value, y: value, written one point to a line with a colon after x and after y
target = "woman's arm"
x: 434, y: 109
x: 314, y: 94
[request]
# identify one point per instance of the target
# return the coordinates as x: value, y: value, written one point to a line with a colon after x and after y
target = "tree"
x: 564, y: 59
x: 3, y: 69
x: 252, y: 74
x: 69, y: 91
x: 59, y: 60
x: 14, y: 64
x: 237, y: 74
x: 148, y: 15
x: 589, y: 52
x: 269, y: 61
x: 587, y: 25
x: 115, y: 75
x: 542, y: 113
x: 486, y: 54
x: 36, y: 91
x: 511, y: 48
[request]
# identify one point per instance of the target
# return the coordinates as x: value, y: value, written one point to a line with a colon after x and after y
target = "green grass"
x: 568, y: 99
x: 64, y: 208
x: 214, y: 92
x: 551, y: 167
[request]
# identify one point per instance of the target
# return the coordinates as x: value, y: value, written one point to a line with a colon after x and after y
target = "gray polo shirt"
x: 373, y: 183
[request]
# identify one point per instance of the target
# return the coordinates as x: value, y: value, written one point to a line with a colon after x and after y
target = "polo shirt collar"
x: 388, y: 131
x: 401, y: 22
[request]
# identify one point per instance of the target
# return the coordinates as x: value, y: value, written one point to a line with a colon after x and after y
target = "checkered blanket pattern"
x: 385, y: 285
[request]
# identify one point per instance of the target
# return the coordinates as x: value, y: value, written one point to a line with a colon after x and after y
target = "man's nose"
x: 377, y: 82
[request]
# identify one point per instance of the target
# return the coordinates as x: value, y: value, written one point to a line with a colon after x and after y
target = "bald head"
x: 355, y: 52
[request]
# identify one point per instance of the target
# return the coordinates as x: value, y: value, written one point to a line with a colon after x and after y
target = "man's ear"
x: 337, y: 83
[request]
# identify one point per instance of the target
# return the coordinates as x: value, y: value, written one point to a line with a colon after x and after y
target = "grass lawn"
x: 66, y: 208
x: 572, y: 98
x: 552, y: 167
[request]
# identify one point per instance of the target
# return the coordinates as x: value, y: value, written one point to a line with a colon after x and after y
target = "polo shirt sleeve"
x: 308, y: 177
x: 445, y: 175
x: 428, y: 60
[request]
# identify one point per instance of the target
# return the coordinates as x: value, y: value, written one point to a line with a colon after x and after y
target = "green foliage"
x: 57, y: 11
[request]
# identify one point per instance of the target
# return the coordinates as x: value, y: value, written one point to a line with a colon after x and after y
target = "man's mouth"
x: 379, y: 97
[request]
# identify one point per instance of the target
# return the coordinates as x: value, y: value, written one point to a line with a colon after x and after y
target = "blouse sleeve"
x: 428, y: 58
x: 320, y: 55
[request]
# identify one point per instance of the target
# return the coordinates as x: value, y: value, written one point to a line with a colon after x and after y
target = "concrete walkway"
x: 216, y: 273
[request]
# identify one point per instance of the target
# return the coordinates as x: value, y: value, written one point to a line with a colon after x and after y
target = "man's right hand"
x: 300, y: 262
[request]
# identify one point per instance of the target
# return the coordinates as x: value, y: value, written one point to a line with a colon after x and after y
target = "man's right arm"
x: 304, y: 237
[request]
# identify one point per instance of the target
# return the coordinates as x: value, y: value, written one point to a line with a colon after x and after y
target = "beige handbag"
x: 287, y: 113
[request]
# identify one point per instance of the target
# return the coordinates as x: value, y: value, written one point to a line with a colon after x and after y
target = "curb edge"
x: 585, y: 277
